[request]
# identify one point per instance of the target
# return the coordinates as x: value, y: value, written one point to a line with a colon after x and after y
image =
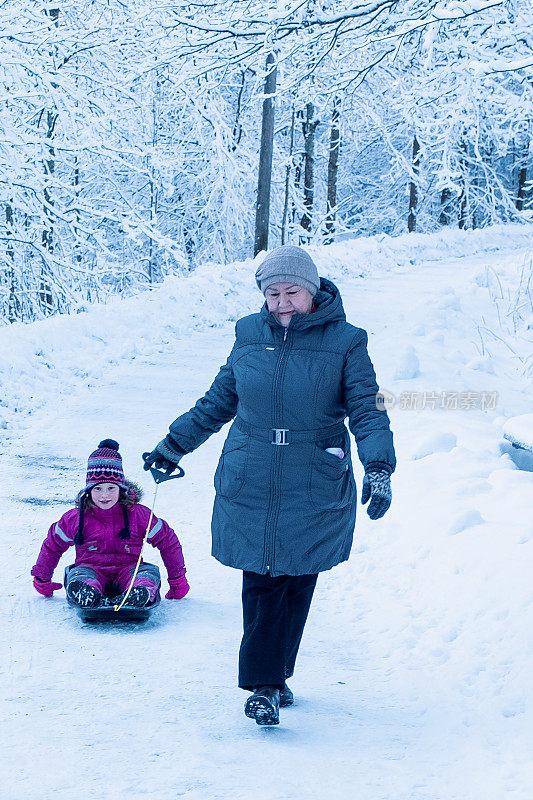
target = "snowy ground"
x: 413, y: 674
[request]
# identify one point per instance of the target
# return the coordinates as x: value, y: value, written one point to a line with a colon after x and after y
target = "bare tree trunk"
x: 45, y: 290
x: 287, y: 183
x: 445, y: 217
x: 12, y: 303
x: 333, y: 169
x: 262, y: 208
x: 462, y: 198
x: 77, y: 248
x: 475, y: 195
x: 413, y: 194
x: 237, y: 127
x: 521, y: 193
x: 522, y: 176
x: 309, y: 127
x: 297, y: 185
x: 189, y: 244
x: 188, y: 238
x: 153, y: 204
x: 153, y: 187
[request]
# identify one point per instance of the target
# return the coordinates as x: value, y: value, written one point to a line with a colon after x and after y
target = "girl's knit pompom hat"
x: 105, y: 465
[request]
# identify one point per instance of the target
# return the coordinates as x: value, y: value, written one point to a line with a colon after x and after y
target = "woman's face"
x: 105, y: 495
x: 285, y: 299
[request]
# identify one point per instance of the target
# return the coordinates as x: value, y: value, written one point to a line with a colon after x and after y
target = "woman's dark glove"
x: 376, y: 488
x: 165, y: 456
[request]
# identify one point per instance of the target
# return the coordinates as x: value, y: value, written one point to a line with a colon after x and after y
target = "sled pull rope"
x: 159, y: 477
x: 138, y: 564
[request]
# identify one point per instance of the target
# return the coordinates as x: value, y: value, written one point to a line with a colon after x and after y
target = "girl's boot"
x: 138, y: 597
x: 83, y: 595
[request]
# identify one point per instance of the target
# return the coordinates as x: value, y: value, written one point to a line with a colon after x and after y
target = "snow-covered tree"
x: 130, y: 131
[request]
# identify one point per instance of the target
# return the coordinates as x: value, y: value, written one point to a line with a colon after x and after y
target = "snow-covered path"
x: 412, y: 678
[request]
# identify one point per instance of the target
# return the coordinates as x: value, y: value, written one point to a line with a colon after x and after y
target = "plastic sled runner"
x: 106, y: 611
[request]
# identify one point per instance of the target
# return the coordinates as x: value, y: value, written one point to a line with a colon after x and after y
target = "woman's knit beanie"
x: 288, y: 264
x: 105, y: 465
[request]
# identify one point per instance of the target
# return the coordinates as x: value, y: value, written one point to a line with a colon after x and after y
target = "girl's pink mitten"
x: 178, y: 588
x: 47, y: 588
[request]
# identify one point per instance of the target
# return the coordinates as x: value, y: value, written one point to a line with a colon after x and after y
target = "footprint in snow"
x: 438, y: 443
x: 482, y: 364
x: 467, y: 520
x: 408, y: 366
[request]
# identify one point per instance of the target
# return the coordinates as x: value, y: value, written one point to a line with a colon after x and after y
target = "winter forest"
x: 153, y: 156
x: 131, y: 132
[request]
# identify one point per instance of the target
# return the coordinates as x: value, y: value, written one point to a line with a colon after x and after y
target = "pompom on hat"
x: 105, y: 465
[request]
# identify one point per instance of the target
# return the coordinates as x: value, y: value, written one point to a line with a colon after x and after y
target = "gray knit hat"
x: 288, y: 264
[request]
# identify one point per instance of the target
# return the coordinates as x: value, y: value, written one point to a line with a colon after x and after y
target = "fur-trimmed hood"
x: 129, y: 496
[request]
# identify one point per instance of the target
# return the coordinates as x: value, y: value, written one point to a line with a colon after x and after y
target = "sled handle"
x: 159, y: 476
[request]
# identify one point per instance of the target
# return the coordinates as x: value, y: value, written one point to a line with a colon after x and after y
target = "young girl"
x: 107, y: 527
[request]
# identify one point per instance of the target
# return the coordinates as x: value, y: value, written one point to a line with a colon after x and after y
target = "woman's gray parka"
x: 283, y: 504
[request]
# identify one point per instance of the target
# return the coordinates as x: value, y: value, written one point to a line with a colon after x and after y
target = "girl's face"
x: 105, y: 495
x: 286, y: 299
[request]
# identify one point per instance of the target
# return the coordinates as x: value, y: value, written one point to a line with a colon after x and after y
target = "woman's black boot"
x: 263, y: 706
x: 286, y: 697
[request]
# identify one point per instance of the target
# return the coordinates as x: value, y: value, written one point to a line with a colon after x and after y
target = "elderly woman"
x: 285, y: 491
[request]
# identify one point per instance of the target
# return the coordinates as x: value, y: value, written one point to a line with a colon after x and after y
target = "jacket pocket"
x: 231, y: 471
x: 331, y: 482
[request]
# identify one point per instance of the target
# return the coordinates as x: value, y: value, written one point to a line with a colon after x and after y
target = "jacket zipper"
x: 274, y: 494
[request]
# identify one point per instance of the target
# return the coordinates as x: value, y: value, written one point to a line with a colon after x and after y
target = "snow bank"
x: 436, y: 594
x: 54, y: 355
x: 365, y: 254
x: 51, y: 356
x: 436, y: 443
x: 519, y: 431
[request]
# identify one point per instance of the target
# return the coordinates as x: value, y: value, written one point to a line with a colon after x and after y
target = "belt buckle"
x: 280, y: 436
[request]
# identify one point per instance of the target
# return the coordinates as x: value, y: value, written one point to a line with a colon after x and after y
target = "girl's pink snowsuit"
x: 111, y: 557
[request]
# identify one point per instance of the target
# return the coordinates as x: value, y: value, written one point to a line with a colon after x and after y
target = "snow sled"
x: 105, y: 612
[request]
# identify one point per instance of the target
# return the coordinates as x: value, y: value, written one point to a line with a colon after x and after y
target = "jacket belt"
x: 281, y: 436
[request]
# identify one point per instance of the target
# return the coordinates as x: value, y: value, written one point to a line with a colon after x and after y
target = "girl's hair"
x: 128, y: 496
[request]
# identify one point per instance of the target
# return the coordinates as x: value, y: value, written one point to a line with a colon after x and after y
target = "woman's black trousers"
x: 274, y: 615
